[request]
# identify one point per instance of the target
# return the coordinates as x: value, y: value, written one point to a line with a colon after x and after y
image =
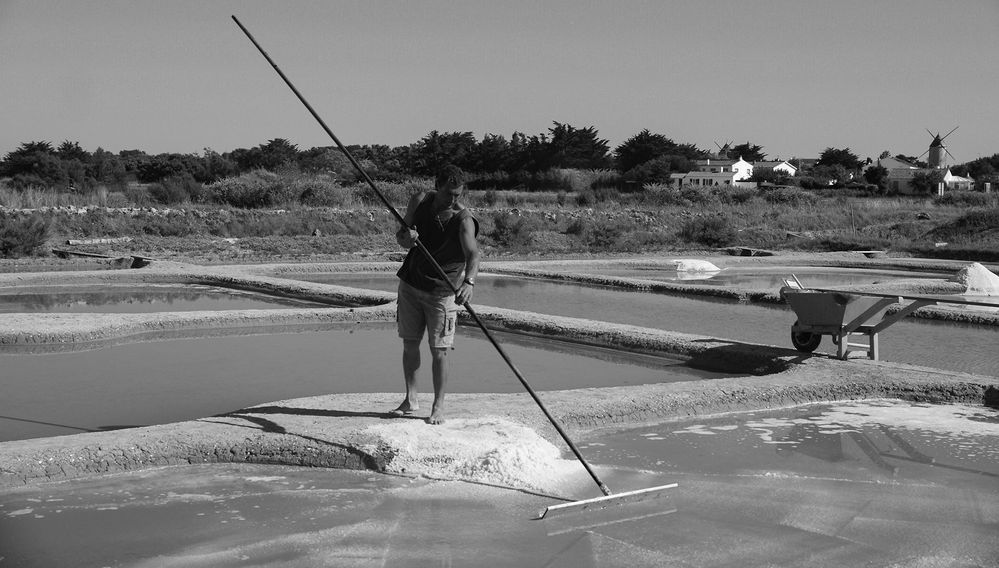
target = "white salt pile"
x: 691, y: 265
x: 978, y: 280
x: 486, y: 450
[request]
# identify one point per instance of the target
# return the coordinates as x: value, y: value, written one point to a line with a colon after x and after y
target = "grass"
x: 318, y: 215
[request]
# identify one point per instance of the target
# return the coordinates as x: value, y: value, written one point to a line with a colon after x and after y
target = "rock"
x: 992, y: 397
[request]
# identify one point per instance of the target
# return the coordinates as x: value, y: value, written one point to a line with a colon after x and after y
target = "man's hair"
x: 450, y: 175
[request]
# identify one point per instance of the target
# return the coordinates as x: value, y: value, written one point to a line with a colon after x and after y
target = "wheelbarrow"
x: 843, y: 314
x: 839, y: 315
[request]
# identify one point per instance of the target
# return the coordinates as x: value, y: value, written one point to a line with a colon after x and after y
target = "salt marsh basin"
x: 352, y: 431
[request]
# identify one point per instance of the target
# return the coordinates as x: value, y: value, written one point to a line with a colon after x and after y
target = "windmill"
x: 937, y: 151
x: 723, y: 151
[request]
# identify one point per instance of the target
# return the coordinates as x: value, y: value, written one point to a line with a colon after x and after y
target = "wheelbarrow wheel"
x: 805, y: 341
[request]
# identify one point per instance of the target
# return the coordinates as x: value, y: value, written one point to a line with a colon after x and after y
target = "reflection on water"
x: 153, y: 382
x: 786, y: 488
x: 143, y: 299
x: 929, y: 343
x: 758, y: 278
x: 880, y: 441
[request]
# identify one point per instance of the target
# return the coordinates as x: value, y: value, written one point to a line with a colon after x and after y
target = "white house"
x: 742, y: 169
x: 714, y: 172
x: 901, y: 173
x: 957, y: 183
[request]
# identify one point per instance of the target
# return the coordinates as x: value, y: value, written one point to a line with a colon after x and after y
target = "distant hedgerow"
x: 256, y: 189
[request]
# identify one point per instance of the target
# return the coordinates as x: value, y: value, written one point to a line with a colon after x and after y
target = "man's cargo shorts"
x: 436, y: 312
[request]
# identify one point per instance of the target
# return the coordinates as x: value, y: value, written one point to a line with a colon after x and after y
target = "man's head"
x: 450, y: 176
x: 450, y: 185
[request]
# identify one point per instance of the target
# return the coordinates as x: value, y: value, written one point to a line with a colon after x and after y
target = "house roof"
x: 949, y: 177
x: 892, y: 163
x: 712, y: 162
x: 771, y: 164
x: 712, y: 175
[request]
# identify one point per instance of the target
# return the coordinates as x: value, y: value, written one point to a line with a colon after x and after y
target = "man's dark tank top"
x: 442, y: 240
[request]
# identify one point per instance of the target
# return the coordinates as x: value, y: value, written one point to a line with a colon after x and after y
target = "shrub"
x: 513, y: 231
x: 324, y: 191
x: 787, y: 195
x: 138, y: 195
x: 23, y: 236
x: 660, y: 195
x: 809, y: 182
x: 654, y: 171
x: 603, y: 234
x: 26, y: 181
x: 259, y: 188
x: 549, y: 180
x: 176, y: 189
x: 701, y: 196
x: 397, y: 193
x: 586, y: 198
x: 712, y: 231
x: 738, y: 195
x: 684, y: 196
x: 579, y: 227
x: 493, y: 181
x: 604, y: 179
x: 116, y: 199
x: 966, y: 199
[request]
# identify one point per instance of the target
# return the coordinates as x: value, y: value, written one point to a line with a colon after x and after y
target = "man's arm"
x: 406, y: 236
x: 470, y: 247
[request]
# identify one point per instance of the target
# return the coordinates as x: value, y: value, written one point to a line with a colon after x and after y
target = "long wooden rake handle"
x: 433, y: 261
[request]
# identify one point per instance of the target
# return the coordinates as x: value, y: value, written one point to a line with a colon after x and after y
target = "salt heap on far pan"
x: 693, y: 265
x: 978, y: 280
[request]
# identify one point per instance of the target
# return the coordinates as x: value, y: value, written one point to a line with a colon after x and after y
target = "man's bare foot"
x: 405, y: 409
x: 436, y: 416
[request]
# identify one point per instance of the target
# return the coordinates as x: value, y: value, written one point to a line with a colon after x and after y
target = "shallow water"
x: 806, y: 486
x: 884, y: 441
x: 939, y: 344
x: 144, y: 298
x: 138, y: 384
x: 756, y: 278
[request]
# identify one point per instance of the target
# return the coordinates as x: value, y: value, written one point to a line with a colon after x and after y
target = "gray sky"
x: 794, y: 76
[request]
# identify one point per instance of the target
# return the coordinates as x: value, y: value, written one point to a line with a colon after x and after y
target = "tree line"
x: 493, y: 161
